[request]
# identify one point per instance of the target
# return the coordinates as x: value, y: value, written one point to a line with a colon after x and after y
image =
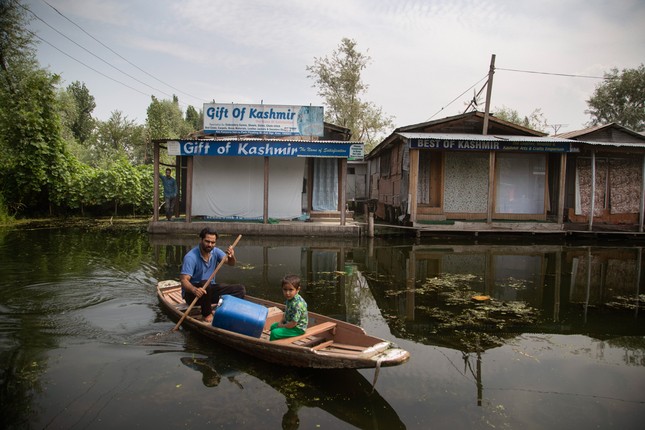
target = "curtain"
x: 583, y: 186
x: 625, y: 179
x: 325, y: 185
x: 233, y: 187
x: 423, y: 184
x: 520, y: 183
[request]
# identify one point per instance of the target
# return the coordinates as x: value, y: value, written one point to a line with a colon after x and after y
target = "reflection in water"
x: 345, y: 394
x: 212, y: 375
x: 548, y: 289
x: 428, y: 296
x: 425, y: 292
x: 563, y: 330
x: 53, y: 283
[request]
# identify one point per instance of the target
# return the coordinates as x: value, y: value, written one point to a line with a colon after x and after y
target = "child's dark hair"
x: 294, y: 280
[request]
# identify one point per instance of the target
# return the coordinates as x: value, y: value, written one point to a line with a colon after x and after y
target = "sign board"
x: 262, y: 148
x: 273, y: 120
x: 490, y: 145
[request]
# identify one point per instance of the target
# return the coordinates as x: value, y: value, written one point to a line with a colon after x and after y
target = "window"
x: 520, y: 182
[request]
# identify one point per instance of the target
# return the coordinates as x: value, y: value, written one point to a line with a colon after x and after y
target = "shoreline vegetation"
x: 107, y: 223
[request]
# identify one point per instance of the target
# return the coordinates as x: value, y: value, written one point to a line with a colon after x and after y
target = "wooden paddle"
x: 205, y: 284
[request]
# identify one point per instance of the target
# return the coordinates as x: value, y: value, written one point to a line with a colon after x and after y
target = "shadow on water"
x: 345, y: 394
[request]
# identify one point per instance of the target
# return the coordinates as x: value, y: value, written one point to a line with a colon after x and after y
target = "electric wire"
x: 89, y: 67
x: 120, y: 56
x: 459, y: 96
x: 96, y: 56
x: 554, y: 74
x: 520, y: 71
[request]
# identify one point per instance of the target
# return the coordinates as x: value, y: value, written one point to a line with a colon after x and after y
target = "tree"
x: 16, y: 42
x: 620, y: 99
x: 338, y: 79
x: 81, y: 123
x: 194, y: 119
x: 119, y: 137
x: 37, y: 171
x: 34, y: 161
x: 165, y: 119
x: 535, y: 120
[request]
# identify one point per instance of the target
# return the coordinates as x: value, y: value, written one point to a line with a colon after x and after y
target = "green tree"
x: 119, y: 137
x: 194, y: 119
x: 165, y: 119
x: 68, y: 113
x: 81, y: 123
x: 535, y: 120
x: 339, y: 83
x: 16, y: 42
x: 34, y: 159
x: 620, y: 99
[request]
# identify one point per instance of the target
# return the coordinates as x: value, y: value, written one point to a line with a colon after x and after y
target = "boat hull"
x: 347, y: 346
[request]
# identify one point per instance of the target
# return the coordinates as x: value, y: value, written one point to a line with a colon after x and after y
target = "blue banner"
x: 263, y: 148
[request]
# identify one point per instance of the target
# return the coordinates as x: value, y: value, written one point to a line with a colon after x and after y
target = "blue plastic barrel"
x: 240, y: 316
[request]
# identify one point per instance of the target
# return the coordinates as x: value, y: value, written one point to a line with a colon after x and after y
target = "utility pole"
x: 489, y: 90
x: 491, y: 154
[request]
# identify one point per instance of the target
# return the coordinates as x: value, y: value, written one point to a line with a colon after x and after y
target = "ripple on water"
x: 113, y: 307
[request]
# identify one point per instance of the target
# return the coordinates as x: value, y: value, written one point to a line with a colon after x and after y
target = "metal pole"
x: 155, y: 199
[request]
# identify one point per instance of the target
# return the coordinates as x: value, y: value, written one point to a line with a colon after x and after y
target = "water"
x: 561, y: 343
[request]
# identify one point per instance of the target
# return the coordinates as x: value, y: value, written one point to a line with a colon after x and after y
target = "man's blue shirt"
x: 169, y: 186
x: 195, y: 266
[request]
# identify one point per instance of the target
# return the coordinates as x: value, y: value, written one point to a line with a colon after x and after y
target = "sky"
x: 427, y: 57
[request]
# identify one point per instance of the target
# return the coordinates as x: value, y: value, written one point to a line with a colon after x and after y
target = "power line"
x: 520, y: 71
x: 459, y: 96
x: 89, y: 67
x: 96, y: 56
x: 93, y: 69
x: 120, y: 56
x: 554, y: 74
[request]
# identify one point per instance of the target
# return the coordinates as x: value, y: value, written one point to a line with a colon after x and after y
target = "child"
x: 296, y: 318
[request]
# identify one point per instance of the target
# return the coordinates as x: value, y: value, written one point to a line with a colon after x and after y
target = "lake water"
x: 560, y: 344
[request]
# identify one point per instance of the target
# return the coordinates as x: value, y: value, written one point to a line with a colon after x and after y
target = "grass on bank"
x: 125, y: 222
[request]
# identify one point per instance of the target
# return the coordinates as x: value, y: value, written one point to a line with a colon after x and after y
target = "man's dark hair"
x: 207, y: 230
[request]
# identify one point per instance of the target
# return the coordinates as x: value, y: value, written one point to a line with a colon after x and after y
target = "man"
x: 198, y: 265
x: 169, y: 192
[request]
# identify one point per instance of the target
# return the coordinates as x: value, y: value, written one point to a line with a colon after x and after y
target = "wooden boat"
x: 328, y: 343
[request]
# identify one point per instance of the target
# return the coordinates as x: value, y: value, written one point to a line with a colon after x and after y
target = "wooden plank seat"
x: 339, y: 348
x: 310, y: 332
x: 323, y: 345
x: 309, y: 341
x: 176, y: 296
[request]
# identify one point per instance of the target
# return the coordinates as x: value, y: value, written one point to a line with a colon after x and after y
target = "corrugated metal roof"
x: 486, y: 138
x: 514, y: 139
x: 269, y: 140
x: 615, y: 144
x: 605, y: 127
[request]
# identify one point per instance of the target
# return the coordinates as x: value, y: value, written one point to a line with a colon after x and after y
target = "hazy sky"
x: 424, y: 54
